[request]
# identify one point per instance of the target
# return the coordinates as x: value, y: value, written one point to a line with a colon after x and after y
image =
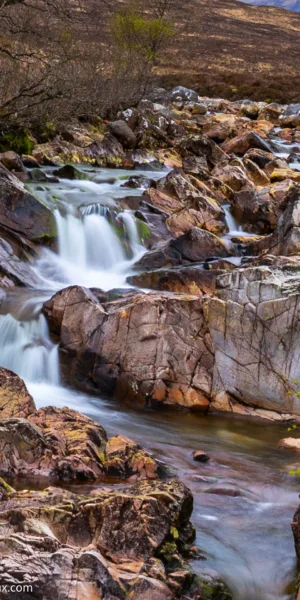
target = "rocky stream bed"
x: 150, y: 280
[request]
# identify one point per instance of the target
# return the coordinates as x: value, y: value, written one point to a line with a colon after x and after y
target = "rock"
x: 30, y: 162
x: 296, y: 531
x: 255, y: 174
x: 271, y: 112
x: 70, y: 172
x: 13, y: 271
x: 38, y: 176
x: 183, y: 93
x: 254, y: 326
x: 187, y: 280
x: 220, y: 127
x: 290, y: 444
x: 240, y: 144
x: 260, y: 157
x: 260, y: 210
x: 200, y: 456
x: 233, y: 176
x: 107, y: 153
x: 20, y: 211
x: 11, y: 161
x: 285, y: 240
x: 188, y: 204
x: 209, y: 586
x: 123, y: 133
x: 250, y: 110
x: 126, y: 458
x: 167, y: 332
x: 282, y: 174
x: 15, y: 400
x: 196, y: 245
x: 101, y: 545
x: 202, y: 146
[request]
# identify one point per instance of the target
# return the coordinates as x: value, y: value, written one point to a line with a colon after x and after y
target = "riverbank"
x: 160, y: 267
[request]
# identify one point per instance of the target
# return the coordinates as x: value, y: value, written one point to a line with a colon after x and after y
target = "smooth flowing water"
x: 244, y: 497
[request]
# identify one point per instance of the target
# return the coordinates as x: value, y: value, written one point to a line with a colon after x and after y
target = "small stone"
x: 200, y: 456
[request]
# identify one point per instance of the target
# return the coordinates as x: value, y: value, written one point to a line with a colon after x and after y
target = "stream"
x: 244, y: 497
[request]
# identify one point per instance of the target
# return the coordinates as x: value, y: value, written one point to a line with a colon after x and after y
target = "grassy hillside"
x: 235, y: 50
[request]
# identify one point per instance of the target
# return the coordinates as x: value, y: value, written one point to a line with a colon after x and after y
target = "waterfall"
x: 131, y: 229
x: 232, y: 224
x: 27, y: 348
x: 90, y: 252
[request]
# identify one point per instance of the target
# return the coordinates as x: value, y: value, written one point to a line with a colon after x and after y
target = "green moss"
x: 19, y: 141
x: 8, y: 488
x: 143, y: 230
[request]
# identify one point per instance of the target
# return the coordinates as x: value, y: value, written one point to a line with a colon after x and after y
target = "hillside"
x: 234, y: 50
x: 288, y: 4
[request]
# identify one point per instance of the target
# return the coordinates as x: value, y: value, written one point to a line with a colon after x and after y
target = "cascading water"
x: 244, y: 455
x: 89, y: 253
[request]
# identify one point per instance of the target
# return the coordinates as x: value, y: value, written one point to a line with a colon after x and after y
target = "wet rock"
x: 38, y: 176
x: 167, y: 332
x: 20, y: 211
x: 100, y: 546
x: 187, y: 280
x: 254, y: 326
x: 15, y: 400
x: 123, y: 133
x: 290, y: 444
x: 106, y: 153
x: 126, y: 458
x: 30, y: 162
x: 13, y: 271
x: 209, y: 586
x: 196, y: 245
x: 11, y: 161
x: 200, y: 456
x: 70, y: 172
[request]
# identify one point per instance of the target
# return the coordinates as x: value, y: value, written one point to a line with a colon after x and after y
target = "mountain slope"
x: 288, y: 4
x: 235, y: 50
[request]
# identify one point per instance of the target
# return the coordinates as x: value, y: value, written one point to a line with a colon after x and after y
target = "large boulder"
x: 21, y: 212
x: 187, y: 203
x: 109, y: 545
x: 123, y: 133
x: 254, y: 324
x: 197, y: 245
x: 166, y: 331
x: 61, y: 443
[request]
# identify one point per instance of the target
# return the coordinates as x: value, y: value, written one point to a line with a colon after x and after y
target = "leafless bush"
x: 59, y: 59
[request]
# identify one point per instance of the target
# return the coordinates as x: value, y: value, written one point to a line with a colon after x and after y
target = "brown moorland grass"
x: 235, y: 50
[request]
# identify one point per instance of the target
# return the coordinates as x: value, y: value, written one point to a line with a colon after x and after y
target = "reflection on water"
x: 246, y: 535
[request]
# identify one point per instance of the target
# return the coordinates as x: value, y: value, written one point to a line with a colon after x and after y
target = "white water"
x: 247, y: 538
x: 90, y: 254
